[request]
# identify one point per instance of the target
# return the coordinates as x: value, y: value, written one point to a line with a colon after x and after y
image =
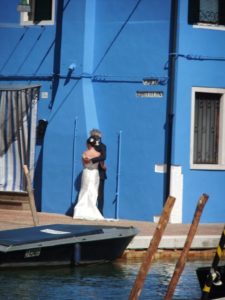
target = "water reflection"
x: 98, y: 282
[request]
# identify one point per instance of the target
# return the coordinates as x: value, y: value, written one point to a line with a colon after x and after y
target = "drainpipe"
x: 117, y: 198
x: 170, y: 96
x: 74, y: 147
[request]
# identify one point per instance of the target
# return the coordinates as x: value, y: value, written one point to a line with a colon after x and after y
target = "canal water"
x: 99, y: 282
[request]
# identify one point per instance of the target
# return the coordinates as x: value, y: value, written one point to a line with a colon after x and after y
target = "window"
x: 42, y: 13
x: 211, y: 12
x: 207, y: 130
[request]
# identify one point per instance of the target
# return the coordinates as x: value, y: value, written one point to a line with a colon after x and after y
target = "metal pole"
x: 118, y: 177
x: 73, y: 158
x: 182, y: 260
x: 164, y: 218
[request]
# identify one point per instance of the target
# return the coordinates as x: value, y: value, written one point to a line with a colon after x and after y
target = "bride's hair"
x: 91, y: 141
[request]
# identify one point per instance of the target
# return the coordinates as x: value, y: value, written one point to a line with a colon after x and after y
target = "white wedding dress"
x: 86, y: 207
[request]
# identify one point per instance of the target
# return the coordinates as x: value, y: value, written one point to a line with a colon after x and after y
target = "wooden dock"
x: 205, y: 241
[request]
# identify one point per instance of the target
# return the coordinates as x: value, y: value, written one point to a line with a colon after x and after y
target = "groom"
x: 100, y: 147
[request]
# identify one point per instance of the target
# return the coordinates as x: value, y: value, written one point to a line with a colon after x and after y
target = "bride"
x: 86, y: 207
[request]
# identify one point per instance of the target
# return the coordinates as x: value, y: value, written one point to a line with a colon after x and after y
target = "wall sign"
x: 150, y: 81
x: 147, y: 94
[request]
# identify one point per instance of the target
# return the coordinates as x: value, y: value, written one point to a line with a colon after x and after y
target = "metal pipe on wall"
x: 170, y: 98
x: 73, y: 159
x: 117, y: 198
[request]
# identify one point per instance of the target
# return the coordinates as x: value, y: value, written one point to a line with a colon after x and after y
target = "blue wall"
x: 197, y: 42
x: 124, y: 42
x: 114, y: 45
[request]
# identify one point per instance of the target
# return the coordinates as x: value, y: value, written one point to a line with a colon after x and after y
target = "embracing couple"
x: 93, y: 179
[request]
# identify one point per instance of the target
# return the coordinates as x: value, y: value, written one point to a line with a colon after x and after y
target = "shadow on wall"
x: 38, y: 179
x: 77, y: 185
x: 40, y: 133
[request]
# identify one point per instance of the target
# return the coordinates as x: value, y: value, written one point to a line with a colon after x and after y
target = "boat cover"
x: 49, y: 235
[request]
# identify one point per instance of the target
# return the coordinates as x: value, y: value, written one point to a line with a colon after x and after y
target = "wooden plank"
x: 14, y: 200
x: 31, y: 196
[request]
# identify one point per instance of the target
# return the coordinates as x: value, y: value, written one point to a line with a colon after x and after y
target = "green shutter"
x: 193, y: 11
x: 43, y: 10
x: 222, y: 12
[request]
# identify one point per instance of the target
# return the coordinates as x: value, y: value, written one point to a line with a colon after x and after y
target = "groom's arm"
x: 102, y: 149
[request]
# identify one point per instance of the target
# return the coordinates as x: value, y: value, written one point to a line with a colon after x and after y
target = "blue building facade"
x: 135, y: 69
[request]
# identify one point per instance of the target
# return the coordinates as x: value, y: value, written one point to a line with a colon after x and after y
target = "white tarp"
x: 18, y: 117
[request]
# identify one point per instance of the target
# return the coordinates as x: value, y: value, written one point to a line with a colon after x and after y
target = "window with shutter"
x: 207, y: 128
x: 206, y: 132
x: 42, y: 13
x: 206, y: 12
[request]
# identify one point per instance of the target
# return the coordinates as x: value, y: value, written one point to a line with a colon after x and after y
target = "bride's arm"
x: 85, y: 158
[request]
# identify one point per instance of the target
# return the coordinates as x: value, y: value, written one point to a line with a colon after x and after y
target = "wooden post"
x: 164, y: 218
x: 31, y: 196
x: 182, y: 260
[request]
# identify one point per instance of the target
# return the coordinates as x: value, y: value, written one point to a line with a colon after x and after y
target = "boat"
x: 217, y: 290
x: 63, y: 244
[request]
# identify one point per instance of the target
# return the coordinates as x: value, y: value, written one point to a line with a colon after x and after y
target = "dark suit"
x: 102, y: 173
